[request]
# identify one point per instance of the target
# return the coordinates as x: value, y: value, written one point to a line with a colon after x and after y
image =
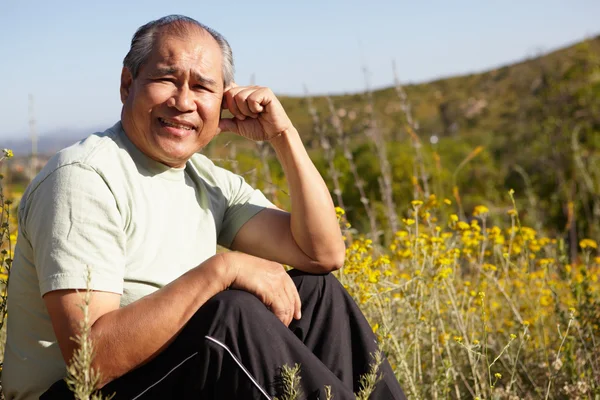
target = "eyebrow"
x: 170, y: 70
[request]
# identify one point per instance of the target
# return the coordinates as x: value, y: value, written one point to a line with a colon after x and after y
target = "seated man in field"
x: 139, y: 208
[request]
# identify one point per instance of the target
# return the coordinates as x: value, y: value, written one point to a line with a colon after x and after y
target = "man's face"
x: 172, y: 108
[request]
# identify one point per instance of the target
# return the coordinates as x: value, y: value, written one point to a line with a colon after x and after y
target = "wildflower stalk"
x: 358, y: 182
x: 263, y: 150
x: 385, y: 180
x: 514, y: 369
x: 82, y: 379
x: 412, y: 127
x: 464, y: 162
x: 6, y: 254
x: 449, y: 353
x: 328, y: 150
x: 369, y: 380
x: 328, y: 393
x: 399, y: 349
x: 290, y: 383
x: 463, y: 330
x: 557, y: 361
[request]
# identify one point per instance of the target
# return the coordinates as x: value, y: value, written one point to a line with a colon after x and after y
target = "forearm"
x: 313, y: 224
x: 132, y: 335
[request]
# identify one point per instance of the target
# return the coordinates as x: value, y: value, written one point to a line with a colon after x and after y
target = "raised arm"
x: 309, y: 237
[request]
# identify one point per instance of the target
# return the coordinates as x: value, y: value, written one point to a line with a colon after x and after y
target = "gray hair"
x: 143, y: 40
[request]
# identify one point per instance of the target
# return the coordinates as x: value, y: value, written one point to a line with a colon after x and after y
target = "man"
x: 144, y: 212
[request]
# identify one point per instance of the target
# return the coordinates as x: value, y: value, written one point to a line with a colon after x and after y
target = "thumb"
x: 228, y: 125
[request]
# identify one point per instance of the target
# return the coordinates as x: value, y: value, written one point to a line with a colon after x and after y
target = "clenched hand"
x: 257, y: 113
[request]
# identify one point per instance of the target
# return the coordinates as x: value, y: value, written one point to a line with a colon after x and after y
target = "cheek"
x: 150, y: 96
x: 209, y: 108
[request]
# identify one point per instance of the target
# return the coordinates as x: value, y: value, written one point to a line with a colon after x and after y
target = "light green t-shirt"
x: 136, y: 223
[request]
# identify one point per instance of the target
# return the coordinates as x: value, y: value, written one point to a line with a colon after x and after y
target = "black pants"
x: 234, y: 348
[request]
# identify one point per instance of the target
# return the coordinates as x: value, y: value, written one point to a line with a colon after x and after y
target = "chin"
x: 174, y: 156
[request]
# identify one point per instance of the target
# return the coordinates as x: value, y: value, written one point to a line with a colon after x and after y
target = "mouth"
x: 170, y: 123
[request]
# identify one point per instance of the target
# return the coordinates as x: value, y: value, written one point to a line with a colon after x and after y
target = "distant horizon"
x: 91, y: 129
x: 324, y: 46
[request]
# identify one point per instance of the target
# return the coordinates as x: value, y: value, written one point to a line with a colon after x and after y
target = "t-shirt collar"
x: 153, y: 167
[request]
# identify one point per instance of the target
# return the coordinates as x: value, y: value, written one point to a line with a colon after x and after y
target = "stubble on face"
x: 172, y: 108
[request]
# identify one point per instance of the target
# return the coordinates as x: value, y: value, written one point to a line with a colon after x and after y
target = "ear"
x: 126, y: 84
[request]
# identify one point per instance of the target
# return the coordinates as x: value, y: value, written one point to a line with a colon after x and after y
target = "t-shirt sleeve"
x: 243, y: 203
x: 73, y: 222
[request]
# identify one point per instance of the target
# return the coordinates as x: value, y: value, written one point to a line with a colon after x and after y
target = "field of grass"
x: 475, y: 255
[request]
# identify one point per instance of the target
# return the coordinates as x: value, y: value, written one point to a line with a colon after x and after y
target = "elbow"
x: 335, y: 260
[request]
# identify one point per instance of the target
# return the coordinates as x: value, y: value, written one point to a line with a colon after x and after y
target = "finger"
x: 240, y: 100
x: 259, y: 99
x: 298, y: 302
x: 228, y: 125
x: 281, y: 309
x: 290, y: 305
x: 254, y: 106
x: 294, y: 298
x: 231, y: 103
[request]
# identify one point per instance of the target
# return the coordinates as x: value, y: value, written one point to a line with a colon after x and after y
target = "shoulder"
x: 211, y: 173
x: 82, y: 166
x: 90, y: 153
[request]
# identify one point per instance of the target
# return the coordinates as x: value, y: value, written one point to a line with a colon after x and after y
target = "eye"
x: 202, y: 88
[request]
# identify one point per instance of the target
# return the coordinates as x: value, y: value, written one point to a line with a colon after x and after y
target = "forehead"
x: 194, y: 50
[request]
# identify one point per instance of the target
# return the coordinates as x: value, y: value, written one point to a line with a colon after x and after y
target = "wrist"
x: 226, y: 269
x: 287, y: 143
x: 284, y: 137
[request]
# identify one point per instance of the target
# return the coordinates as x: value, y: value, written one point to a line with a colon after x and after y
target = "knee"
x: 226, y: 307
x: 323, y: 284
x: 235, y: 301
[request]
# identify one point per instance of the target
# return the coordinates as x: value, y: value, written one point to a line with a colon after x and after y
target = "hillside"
x: 464, y: 105
x: 523, y: 115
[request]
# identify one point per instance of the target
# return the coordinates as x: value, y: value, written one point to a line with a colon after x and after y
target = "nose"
x: 182, y: 99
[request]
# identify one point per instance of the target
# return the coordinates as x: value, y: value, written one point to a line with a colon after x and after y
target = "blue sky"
x: 68, y: 54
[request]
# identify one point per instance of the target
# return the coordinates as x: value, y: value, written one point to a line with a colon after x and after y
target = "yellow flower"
x: 512, y: 212
x: 408, y: 221
x: 498, y: 375
x: 443, y: 274
x: 480, y: 210
x: 8, y: 153
x: 463, y: 226
x: 448, y: 202
x: 454, y: 218
x: 416, y: 203
x: 585, y: 243
x: 489, y: 267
